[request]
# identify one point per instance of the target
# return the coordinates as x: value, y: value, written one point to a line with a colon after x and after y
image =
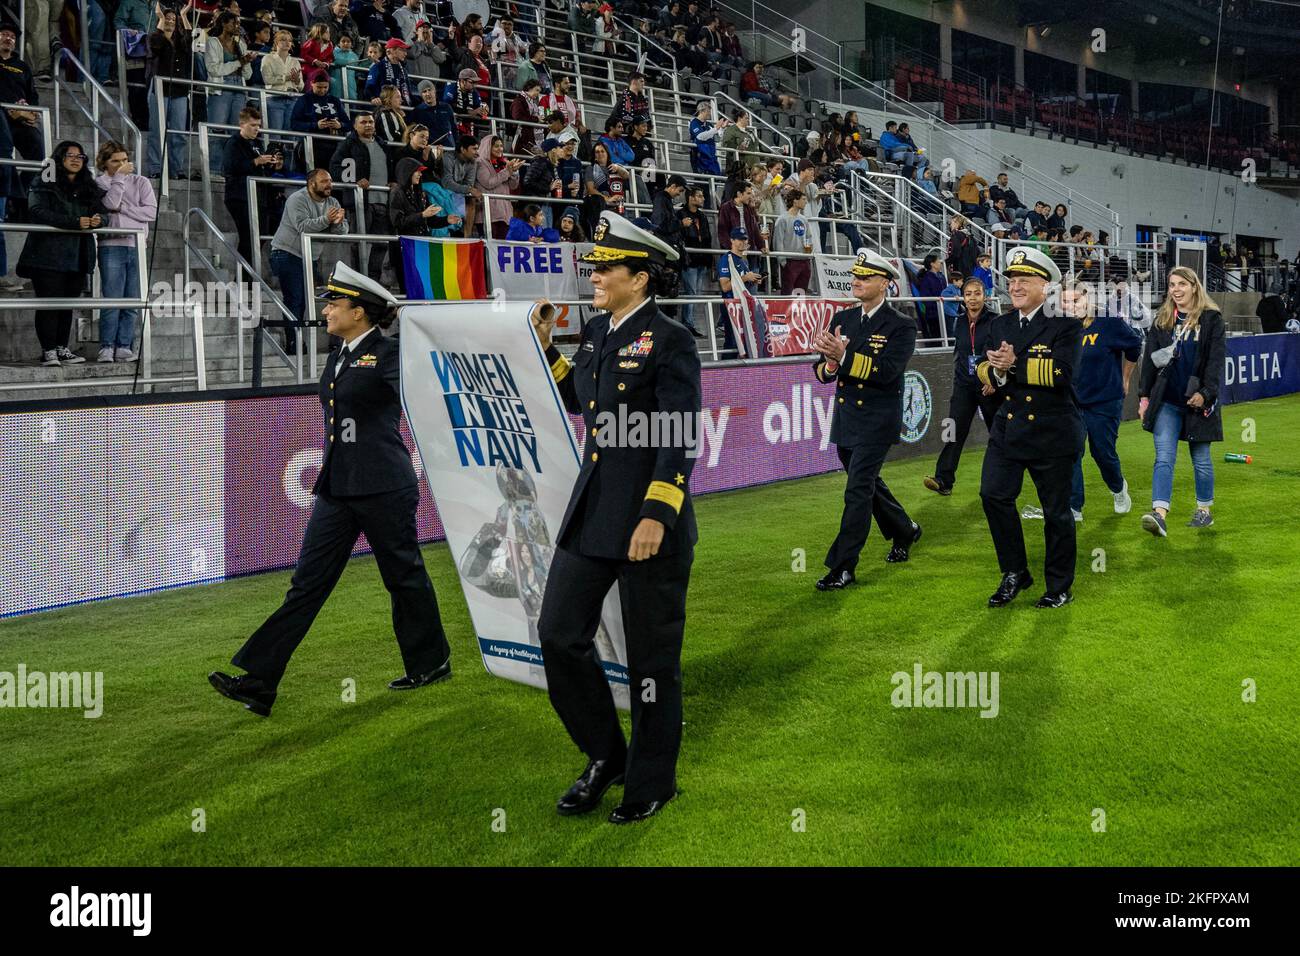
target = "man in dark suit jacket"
x: 366, y: 484
x: 865, y: 352
x: 1037, y: 427
x: 629, y: 521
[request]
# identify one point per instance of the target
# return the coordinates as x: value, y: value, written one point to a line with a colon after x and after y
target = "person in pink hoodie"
x: 131, y: 204
x: 496, y: 174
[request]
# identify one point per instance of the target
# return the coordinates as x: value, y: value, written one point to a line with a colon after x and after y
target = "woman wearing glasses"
x: 59, y: 263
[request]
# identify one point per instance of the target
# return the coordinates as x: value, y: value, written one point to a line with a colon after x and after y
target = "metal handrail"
x: 898, y: 104
x: 44, y: 111
x: 241, y: 265
x: 789, y: 143
x: 129, y: 127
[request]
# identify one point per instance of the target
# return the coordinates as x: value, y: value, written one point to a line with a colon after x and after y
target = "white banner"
x: 533, y: 270
x: 501, y: 460
x: 834, y: 276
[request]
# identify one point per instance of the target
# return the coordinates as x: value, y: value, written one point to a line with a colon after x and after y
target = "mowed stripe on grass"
x: 1128, y: 702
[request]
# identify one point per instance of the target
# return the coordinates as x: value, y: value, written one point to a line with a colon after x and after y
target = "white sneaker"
x: 1123, y: 503
x: 105, y: 355
x: 50, y: 358
x: 68, y: 357
x: 1032, y: 512
x: 1078, y: 515
x: 124, y: 355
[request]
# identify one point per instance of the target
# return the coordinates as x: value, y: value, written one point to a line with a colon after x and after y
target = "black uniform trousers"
x: 865, y: 496
x: 653, y: 597
x: 1000, y: 486
x: 965, y: 402
x: 388, y: 521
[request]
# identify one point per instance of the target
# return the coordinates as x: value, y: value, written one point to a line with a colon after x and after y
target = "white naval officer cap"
x: 1029, y: 261
x: 869, y: 264
x: 347, y: 283
x: 617, y: 240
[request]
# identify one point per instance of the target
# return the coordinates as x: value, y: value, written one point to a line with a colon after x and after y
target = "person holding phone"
x: 1179, y: 396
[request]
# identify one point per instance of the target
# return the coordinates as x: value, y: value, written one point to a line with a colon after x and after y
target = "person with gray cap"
x: 705, y: 131
x: 629, y: 521
x: 1037, y: 427
x: 865, y: 351
x: 466, y: 102
x: 366, y: 485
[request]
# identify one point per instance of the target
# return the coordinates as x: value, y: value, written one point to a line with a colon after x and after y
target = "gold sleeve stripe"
x: 670, y: 495
x: 984, y: 372
x: 560, y: 368
x: 1041, y: 372
x: 860, y: 365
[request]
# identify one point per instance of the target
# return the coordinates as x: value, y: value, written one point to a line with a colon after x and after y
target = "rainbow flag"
x: 444, y: 268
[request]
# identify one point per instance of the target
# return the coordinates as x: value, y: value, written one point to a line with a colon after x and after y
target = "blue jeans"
x: 101, y: 50
x: 278, y: 109
x: 224, y: 108
x: 1102, y: 422
x: 287, y: 268
x: 178, y: 160
x: 119, y: 278
x: 1168, y: 428
x: 767, y: 99
x: 846, y: 229
x: 693, y: 280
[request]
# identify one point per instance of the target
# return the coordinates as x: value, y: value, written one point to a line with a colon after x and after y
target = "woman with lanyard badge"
x: 1181, y: 369
x: 968, y: 394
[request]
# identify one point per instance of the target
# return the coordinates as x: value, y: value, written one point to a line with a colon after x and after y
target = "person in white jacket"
x: 281, y: 73
x: 229, y: 62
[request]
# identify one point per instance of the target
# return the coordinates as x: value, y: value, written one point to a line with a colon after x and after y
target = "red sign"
x: 792, y: 324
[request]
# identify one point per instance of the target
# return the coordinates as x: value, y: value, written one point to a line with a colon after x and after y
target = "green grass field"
x: 1130, y: 700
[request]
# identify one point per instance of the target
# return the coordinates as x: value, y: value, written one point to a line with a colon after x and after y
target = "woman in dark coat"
x: 59, y: 264
x: 1182, y: 366
x: 409, y: 211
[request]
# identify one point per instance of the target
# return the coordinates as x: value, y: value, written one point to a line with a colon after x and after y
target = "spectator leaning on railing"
x: 59, y: 263
x: 390, y: 71
x: 496, y: 174
x: 361, y: 159
x: 460, y: 176
x: 131, y: 204
x: 319, y: 112
x: 311, y: 209
x: 16, y: 86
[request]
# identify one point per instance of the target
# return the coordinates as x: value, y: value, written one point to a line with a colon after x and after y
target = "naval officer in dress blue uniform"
x: 366, y: 484
x: 629, y: 521
x: 1037, y: 426
x: 865, y: 351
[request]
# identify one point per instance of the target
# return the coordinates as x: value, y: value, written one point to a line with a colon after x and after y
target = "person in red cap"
x: 390, y: 71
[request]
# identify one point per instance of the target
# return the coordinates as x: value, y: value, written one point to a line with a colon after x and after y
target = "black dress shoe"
x: 1055, y: 600
x: 836, y: 580
x: 635, y: 812
x: 440, y: 673
x: 695, y: 332
x: 935, y: 485
x: 899, y: 551
x: 250, y: 691
x: 1013, y: 582
x: 586, y: 793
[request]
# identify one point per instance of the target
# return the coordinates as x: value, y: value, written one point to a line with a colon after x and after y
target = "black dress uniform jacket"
x: 362, y: 407
x: 1037, y: 412
x: 1197, y: 425
x: 648, y: 364
x: 869, y: 381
